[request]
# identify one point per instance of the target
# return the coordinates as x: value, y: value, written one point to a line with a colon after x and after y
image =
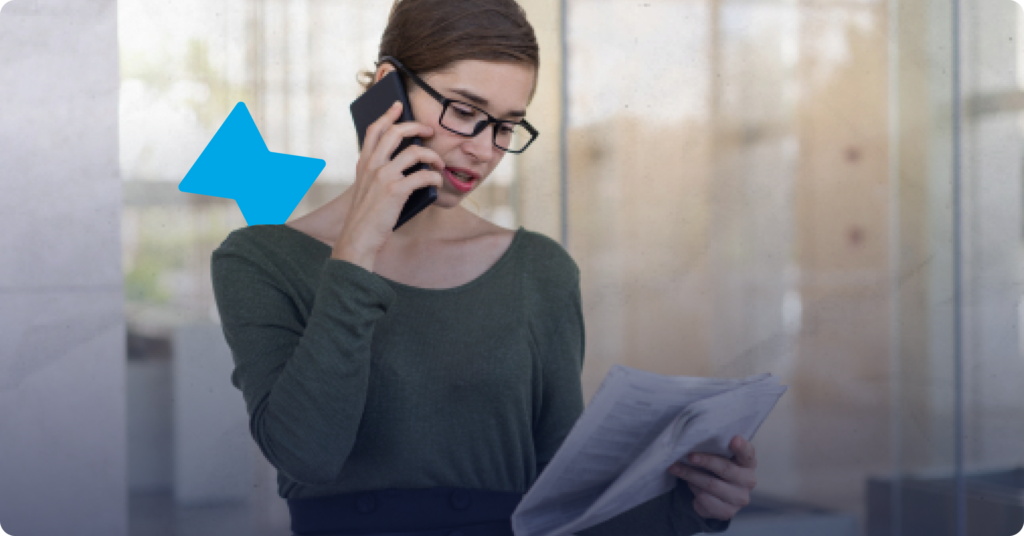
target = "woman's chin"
x: 450, y: 199
x: 447, y: 199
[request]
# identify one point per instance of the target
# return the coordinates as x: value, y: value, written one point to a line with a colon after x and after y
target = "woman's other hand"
x: 381, y: 190
x: 722, y: 497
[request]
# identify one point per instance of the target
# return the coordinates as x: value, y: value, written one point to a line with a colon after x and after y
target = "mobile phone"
x: 367, y: 109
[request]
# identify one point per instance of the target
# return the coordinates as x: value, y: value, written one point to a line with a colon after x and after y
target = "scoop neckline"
x: 497, y: 264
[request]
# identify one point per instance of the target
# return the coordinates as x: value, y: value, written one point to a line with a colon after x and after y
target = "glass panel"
x: 753, y: 186
x: 768, y: 187
x: 992, y: 232
x: 990, y: 197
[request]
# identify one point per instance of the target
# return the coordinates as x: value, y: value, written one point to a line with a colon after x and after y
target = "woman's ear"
x: 382, y: 71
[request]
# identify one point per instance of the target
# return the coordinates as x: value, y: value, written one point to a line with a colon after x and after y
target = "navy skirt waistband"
x: 406, y: 512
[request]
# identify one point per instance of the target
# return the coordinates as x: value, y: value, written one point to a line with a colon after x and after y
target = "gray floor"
x: 156, y: 514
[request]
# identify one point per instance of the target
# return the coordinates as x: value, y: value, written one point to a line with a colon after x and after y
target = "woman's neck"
x: 431, y: 224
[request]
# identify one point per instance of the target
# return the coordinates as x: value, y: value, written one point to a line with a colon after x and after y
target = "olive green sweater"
x: 355, y: 382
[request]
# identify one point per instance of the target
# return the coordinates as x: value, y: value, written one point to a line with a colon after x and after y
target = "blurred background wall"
x: 747, y: 185
x: 62, y: 324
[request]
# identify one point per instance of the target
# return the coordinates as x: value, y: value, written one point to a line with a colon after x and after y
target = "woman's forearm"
x: 305, y: 389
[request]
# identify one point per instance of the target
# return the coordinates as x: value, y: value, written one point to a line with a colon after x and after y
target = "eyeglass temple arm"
x: 398, y: 65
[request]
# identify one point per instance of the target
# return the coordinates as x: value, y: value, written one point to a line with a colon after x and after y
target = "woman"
x: 417, y: 381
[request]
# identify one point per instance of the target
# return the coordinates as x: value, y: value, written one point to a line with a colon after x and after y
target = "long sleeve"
x: 561, y: 336
x: 304, y: 386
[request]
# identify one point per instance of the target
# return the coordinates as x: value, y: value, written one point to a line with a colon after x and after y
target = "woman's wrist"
x: 343, y: 252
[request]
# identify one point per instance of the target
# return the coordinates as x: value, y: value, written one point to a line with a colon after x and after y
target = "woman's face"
x: 501, y: 89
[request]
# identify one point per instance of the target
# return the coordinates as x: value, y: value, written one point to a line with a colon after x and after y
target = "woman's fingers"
x: 407, y: 185
x: 727, y: 491
x: 708, y: 505
x: 724, y: 490
x: 377, y: 128
x: 726, y: 469
x: 412, y: 155
x: 380, y: 154
x: 744, y: 450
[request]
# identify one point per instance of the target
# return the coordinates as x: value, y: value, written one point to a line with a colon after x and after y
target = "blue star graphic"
x: 236, y: 164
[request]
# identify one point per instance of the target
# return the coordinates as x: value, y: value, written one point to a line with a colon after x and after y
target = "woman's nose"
x: 481, y: 146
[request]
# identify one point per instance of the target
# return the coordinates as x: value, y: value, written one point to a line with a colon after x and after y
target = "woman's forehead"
x: 503, y: 86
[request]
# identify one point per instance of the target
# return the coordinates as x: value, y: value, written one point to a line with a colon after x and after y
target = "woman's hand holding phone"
x: 380, y: 188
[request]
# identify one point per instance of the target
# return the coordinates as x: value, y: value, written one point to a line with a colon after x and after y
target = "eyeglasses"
x: 467, y: 120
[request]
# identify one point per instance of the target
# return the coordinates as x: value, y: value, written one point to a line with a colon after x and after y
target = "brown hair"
x: 430, y: 35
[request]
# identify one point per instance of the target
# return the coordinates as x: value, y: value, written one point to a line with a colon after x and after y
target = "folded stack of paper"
x: 639, y: 423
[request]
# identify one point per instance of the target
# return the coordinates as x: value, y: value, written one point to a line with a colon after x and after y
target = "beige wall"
x: 693, y: 238
x: 841, y: 378
x: 538, y: 170
x: 638, y: 228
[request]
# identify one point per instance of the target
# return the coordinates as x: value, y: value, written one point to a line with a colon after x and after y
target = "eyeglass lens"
x: 464, y: 119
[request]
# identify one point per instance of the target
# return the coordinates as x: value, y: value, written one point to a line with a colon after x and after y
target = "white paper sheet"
x: 638, y: 423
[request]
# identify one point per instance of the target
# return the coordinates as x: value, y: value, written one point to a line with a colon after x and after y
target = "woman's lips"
x: 460, y: 184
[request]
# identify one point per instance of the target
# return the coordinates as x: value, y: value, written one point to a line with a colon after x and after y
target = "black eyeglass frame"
x: 445, y: 101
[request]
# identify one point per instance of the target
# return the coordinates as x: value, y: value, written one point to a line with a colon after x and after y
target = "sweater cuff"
x: 356, y: 283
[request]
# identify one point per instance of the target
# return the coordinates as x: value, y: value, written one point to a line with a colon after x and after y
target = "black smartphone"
x: 367, y: 109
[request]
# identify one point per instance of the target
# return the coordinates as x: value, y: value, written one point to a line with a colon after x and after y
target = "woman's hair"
x: 430, y: 35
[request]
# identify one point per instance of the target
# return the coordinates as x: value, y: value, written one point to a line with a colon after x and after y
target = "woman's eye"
x: 506, y: 129
x: 462, y: 111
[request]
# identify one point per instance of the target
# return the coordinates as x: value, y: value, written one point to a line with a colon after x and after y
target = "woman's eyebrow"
x: 483, y: 103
